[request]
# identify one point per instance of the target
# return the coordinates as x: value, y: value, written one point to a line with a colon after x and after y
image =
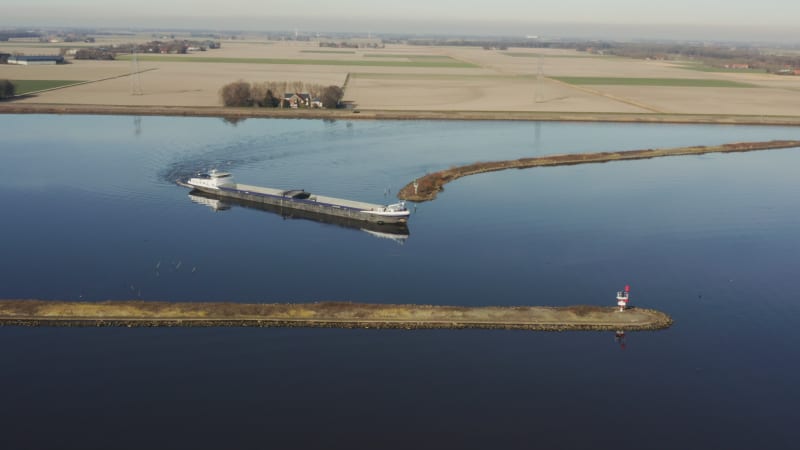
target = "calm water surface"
x: 90, y: 212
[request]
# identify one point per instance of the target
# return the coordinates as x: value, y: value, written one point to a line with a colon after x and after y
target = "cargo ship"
x: 397, y: 232
x: 221, y: 185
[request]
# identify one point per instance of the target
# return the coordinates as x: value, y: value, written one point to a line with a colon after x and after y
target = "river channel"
x: 91, y: 212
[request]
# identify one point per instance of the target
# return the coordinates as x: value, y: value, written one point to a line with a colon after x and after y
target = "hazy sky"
x: 383, y: 15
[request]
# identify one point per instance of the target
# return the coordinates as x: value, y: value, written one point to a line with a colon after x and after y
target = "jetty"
x: 125, y: 313
x: 425, y: 188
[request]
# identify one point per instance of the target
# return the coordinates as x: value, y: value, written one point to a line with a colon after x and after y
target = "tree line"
x: 715, y: 55
x: 166, y: 47
x: 712, y: 55
x: 272, y: 94
x: 5, y: 35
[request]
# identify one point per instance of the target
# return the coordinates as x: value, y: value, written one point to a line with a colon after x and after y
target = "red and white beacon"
x: 622, y: 298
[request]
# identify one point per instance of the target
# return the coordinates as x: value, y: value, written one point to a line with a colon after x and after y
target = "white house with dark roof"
x: 297, y: 100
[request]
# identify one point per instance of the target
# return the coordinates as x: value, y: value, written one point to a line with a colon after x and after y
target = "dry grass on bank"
x: 332, y: 312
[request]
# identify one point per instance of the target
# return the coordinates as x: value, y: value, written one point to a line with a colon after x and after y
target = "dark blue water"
x: 90, y: 212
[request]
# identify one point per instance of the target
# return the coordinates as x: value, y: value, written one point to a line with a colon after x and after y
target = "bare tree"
x: 297, y: 87
x: 258, y: 94
x: 276, y: 92
x: 236, y: 94
x: 331, y: 96
x: 272, y: 99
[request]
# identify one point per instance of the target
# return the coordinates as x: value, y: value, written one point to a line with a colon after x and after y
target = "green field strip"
x: 436, y: 76
x: 542, y: 55
x: 389, y: 55
x: 337, y: 52
x: 712, y: 69
x: 27, y: 86
x: 306, y: 62
x: 675, y: 82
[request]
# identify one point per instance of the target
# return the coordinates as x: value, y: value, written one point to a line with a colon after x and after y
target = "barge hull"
x: 252, y: 194
x: 395, y: 229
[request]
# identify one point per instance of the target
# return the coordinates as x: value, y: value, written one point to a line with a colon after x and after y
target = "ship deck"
x: 246, y: 188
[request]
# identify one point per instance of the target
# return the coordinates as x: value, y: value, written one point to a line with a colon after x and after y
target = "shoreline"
x: 123, y: 313
x: 232, y: 113
x: 427, y: 187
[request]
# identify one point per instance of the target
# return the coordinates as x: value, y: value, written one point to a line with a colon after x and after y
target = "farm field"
x: 420, y: 78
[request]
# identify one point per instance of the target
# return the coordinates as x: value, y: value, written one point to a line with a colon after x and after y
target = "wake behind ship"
x: 221, y: 184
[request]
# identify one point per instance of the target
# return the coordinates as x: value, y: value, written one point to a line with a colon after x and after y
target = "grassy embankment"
x: 326, y: 314
x: 431, y: 184
x: 378, y: 114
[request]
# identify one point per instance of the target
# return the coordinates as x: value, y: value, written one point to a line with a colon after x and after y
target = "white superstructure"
x: 212, y: 180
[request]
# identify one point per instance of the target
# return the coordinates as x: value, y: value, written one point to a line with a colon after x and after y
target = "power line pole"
x: 539, y: 95
x: 136, y: 81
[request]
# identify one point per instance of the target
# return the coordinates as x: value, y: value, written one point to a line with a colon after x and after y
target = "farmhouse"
x: 302, y: 100
x: 788, y: 71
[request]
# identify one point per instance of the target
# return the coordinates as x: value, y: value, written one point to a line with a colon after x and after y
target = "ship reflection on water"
x: 396, y: 232
x: 206, y: 200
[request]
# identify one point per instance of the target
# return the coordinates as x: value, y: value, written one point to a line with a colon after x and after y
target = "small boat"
x: 221, y: 184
